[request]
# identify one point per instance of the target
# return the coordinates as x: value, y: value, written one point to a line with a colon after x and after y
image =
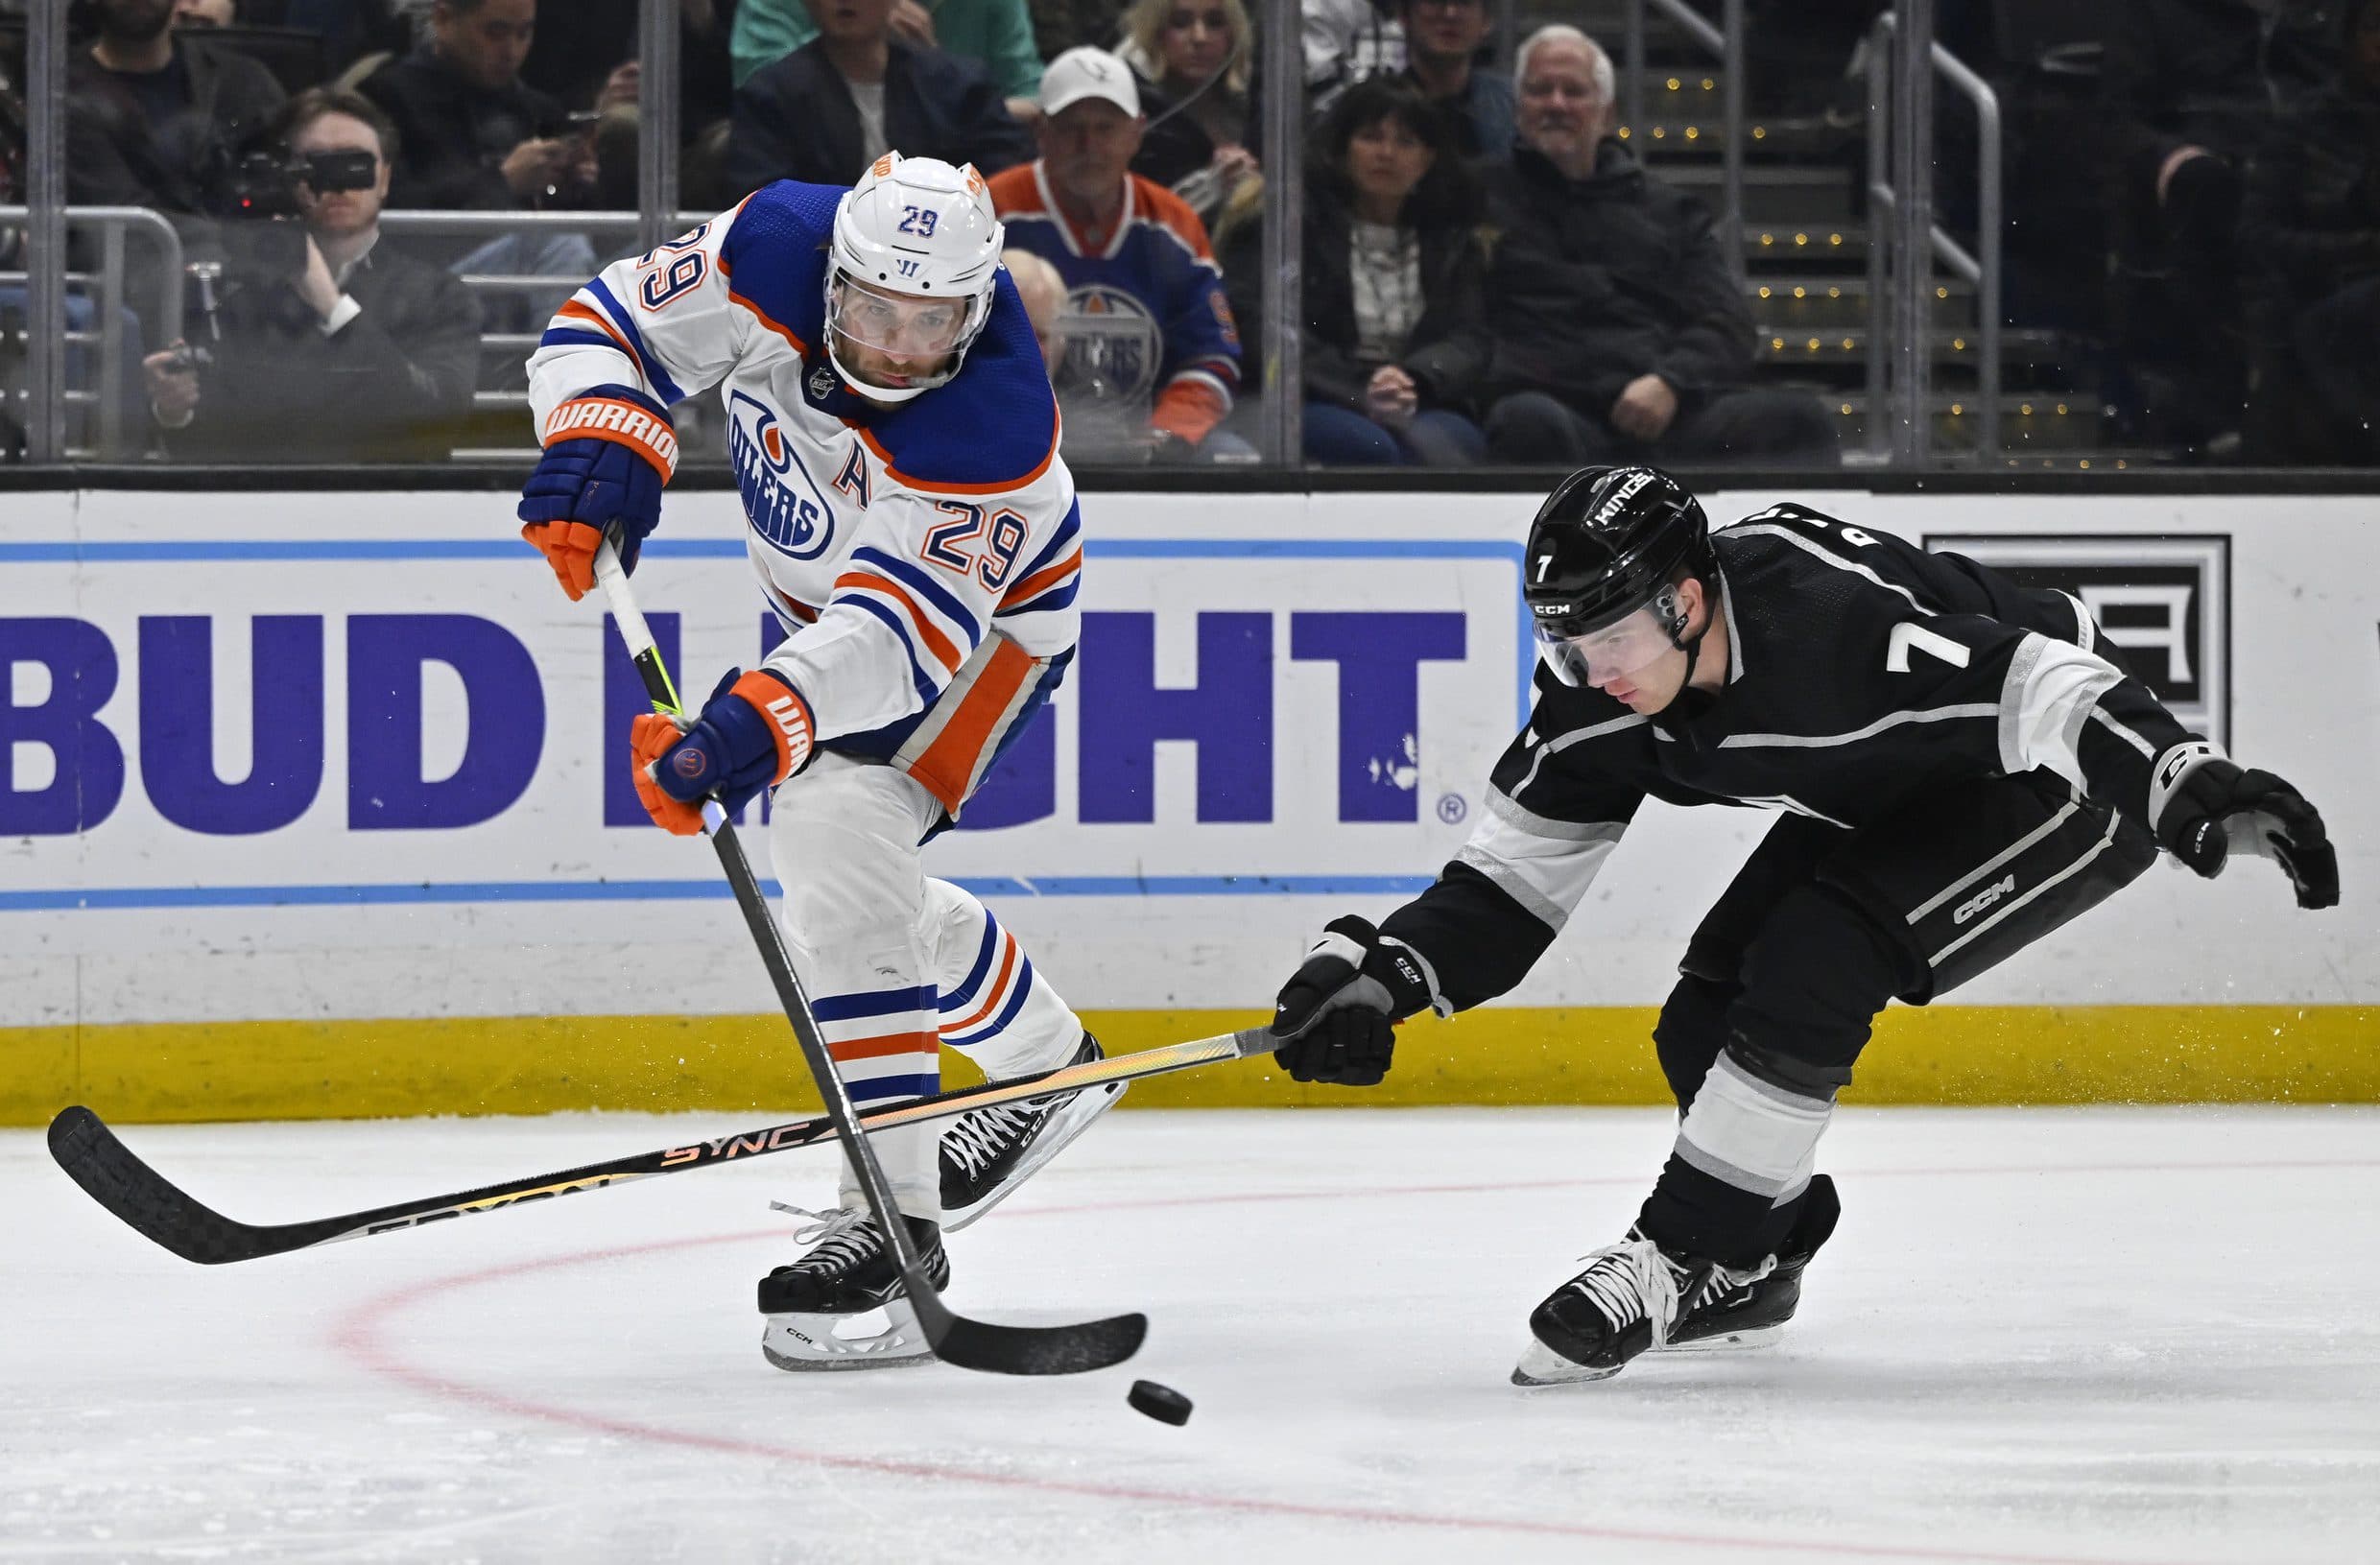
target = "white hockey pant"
x: 897, y: 964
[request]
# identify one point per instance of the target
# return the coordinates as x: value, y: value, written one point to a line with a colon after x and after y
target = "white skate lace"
x: 844, y: 1237
x: 981, y: 1136
x: 1627, y: 1281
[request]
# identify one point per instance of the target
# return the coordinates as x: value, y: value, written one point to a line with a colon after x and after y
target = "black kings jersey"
x: 1863, y: 672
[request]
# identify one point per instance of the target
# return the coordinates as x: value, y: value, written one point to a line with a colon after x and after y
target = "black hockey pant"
x: 1820, y: 929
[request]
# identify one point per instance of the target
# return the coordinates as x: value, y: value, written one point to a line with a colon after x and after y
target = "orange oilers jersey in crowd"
x: 923, y: 558
x: 1156, y: 260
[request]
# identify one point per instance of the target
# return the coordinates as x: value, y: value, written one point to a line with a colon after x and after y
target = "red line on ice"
x: 357, y: 1335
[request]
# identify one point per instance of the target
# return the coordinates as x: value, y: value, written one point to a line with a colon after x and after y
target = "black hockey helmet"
x: 1607, y: 542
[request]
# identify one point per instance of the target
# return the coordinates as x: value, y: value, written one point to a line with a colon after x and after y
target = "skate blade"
x: 1065, y: 1123
x: 807, y: 1343
x: 1542, y: 1366
x: 1731, y: 1342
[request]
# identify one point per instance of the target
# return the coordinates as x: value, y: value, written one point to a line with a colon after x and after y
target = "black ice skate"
x: 1753, y: 1314
x: 1626, y: 1301
x: 988, y: 1154
x: 818, y: 1308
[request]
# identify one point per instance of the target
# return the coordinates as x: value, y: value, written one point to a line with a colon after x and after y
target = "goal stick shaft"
x: 90, y: 1152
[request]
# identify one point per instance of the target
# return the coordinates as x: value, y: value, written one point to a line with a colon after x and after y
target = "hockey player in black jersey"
x: 1963, y: 764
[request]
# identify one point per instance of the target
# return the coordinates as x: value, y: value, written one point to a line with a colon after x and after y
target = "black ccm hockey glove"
x: 1338, y: 1015
x: 2205, y: 809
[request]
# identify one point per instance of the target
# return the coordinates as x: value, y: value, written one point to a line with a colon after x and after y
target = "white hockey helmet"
x: 918, y: 227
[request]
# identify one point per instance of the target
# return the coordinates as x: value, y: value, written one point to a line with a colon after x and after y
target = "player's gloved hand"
x: 606, y: 455
x: 1337, y: 1015
x: 2205, y: 809
x: 753, y: 733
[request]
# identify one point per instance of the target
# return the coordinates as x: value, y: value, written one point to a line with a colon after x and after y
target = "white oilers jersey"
x: 924, y: 557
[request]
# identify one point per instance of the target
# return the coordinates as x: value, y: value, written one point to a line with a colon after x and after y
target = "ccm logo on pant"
x: 1984, y: 898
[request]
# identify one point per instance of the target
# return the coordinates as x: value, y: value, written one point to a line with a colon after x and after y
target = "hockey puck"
x: 1161, y: 1403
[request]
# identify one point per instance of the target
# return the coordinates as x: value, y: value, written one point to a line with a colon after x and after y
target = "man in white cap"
x: 1132, y: 252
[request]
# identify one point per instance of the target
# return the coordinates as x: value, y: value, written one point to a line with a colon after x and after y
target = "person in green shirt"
x: 996, y: 33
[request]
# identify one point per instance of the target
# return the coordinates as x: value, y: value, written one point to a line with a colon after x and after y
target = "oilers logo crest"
x: 783, y: 501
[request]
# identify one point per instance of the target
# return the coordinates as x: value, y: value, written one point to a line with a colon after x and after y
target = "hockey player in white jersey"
x: 915, y: 531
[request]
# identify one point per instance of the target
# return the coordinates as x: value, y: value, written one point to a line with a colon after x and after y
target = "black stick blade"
x: 150, y: 1205
x: 1027, y: 1350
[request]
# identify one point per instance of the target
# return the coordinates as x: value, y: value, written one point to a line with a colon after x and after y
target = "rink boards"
x: 315, y: 806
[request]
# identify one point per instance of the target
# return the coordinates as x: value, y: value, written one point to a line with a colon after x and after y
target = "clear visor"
x: 1619, y: 651
x: 915, y: 331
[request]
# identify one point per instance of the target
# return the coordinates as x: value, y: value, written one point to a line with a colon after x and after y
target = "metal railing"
x: 44, y: 393
x: 1905, y: 332
x: 1726, y: 41
x: 496, y: 225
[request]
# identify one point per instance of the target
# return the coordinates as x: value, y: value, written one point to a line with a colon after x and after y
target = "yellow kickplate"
x: 1954, y: 1054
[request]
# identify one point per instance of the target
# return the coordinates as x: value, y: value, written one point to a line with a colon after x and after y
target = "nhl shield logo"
x: 821, y: 381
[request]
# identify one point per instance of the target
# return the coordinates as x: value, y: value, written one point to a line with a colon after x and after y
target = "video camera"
x: 264, y: 184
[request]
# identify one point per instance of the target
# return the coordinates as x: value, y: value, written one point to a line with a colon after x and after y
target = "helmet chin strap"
x: 1690, y: 645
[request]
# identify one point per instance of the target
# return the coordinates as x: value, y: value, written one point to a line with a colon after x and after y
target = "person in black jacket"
x: 474, y: 135
x: 156, y: 118
x: 840, y: 101
x: 1395, y: 312
x: 2187, y: 90
x: 1959, y: 765
x: 2310, y: 224
x: 1620, y: 331
x: 328, y: 346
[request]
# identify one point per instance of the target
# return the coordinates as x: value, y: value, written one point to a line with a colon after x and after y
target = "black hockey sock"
x: 1692, y: 1213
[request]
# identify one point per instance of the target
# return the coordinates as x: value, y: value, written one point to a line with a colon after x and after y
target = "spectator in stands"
x: 1153, y: 357
x: 1044, y: 293
x: 473, y: 135
x: 1620, y: 332
x: 2187, y: 89
x: 156, y: 118
x: 204, y: 13
x: 1192, y: 59
x: 840, y: 101
x: 2311, y: 223
x: 337, y: 349
x: 1394, y: 286
x: 996, y: 35
x: 1442, y: 41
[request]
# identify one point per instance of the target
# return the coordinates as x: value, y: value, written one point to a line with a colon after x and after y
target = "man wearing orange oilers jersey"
x: 895, y: 441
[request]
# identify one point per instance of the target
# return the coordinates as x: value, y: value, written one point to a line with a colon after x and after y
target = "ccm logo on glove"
x: 2204, y: 807
x: 1337, y: 1015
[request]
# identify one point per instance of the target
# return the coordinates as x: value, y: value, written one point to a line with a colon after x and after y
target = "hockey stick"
x: 155, y: 1207
x: 970, y: 1344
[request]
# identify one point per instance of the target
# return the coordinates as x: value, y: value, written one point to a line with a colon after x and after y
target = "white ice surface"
x: 2074, y: 1336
